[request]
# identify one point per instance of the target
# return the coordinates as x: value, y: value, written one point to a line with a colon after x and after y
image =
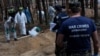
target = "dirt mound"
x: 41, y: 45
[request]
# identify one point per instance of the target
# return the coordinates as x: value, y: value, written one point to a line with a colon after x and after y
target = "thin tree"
x: 5, y: 8
x: 2, y: 4
x: 83, y: 8
x: 91, y: 3
x: 95, y: 9
x: 28, y: 2
x: 46, y: 14
x: 38, y: 3
x: 2, y: 8
x: 67, y: 4
x: 63, y: 2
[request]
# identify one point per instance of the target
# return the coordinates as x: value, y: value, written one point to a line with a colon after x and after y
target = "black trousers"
x: 59, y: 51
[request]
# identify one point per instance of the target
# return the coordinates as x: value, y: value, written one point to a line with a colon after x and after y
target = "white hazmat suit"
x: 10, y: 28
x: 51, y: 12
x: 21, y: 20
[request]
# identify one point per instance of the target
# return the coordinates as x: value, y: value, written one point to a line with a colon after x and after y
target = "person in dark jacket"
x: 61, y: 16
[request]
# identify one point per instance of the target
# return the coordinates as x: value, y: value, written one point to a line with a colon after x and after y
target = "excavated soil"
x: 41, y: 45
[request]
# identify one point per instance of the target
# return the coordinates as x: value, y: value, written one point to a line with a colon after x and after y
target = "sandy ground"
x: 41, y: 45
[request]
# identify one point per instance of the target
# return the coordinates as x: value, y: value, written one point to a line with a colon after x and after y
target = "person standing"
x: 64, y: 9
x: 51, y: 11
x: 60, y: 17
x: 21, y: 19
x: 77, y: 32
x: 28, y: 15
x: 10, y: 25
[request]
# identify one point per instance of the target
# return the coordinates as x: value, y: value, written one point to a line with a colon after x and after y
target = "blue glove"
x: 95, y: 55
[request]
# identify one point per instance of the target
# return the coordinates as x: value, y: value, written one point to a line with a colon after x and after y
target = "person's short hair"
x: 63, y: 7
x: 58, y: 8
x: 75, y: 7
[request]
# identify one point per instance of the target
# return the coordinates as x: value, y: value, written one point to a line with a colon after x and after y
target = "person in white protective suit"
x: 10, y: 25
x: 21, y: 20
x: 51, y: 12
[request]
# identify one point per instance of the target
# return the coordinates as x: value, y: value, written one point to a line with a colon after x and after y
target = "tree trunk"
x: 2, y: 4
x: 91, y: 4
x: 50, y: 2
x: 28, y: 4
x: 67, y: 5
x: 5, y: 8
x: 39, y: 9
x: 46, y: 15
x: 63, y: 2
x: 83, y: 9
x: 95, y: 9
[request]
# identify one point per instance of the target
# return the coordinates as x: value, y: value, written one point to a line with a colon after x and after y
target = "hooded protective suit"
x: 51, y: 12
x: 10, y: 28
x: 21, y: 19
